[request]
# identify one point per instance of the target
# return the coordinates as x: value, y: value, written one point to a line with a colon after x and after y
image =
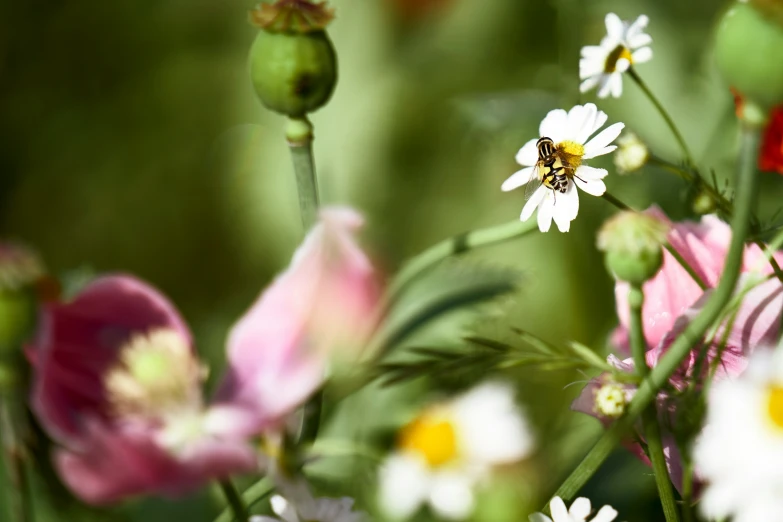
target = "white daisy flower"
x: 449, y: 448
x: 625, y: 44
x: 579, y: 512
x: 569, y: 132
x: 317, y: 510
x: 740, y: 450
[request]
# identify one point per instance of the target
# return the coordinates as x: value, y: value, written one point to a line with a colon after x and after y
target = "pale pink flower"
x: 321, y: 307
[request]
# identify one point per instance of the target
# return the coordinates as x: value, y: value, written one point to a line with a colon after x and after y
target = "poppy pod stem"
x: 299, y: 135
x: 746, y: 183
x: 235, y: 500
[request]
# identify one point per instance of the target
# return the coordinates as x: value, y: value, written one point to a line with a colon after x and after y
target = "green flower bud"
x: 702, y: 202
x: 632, y: 243
x: 748, y: 52
x: 20, y: 271
x: 293, y: 64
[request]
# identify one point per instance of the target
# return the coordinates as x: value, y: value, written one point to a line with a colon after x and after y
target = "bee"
x: 552, y: 169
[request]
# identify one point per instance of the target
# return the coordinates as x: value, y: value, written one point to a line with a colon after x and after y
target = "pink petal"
x: 322, y: 306
x: 78, y: 341
x: 128, y: 462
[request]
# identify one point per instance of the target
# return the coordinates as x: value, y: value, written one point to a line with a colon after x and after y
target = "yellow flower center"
x: 775, y: 405
x: 432, y: 436
x: 570, y: 153
x: 610, y: 400
x: 155, y: 374
x: 618, y: 52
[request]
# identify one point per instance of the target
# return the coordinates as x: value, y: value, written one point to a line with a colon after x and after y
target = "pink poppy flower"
x: 322, y: 307
x: 117, y: 384
x: 672, y: 299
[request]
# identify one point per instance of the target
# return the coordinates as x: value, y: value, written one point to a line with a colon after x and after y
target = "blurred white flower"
x: 449, y: 448
x: 579, y: 512
x: 603, y: 65
x: 317, y: 510
x: 740, y: 450
x: 569, y: 131
x: 632, y: 153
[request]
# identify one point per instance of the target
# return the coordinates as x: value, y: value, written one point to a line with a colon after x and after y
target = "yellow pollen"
x: 570, y: 154
x: 775, y: 405
x: 431, y: 436
x: 155, y: 374
x: 617, y: 53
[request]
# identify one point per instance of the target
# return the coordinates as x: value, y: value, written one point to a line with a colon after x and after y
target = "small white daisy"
x: 449, y: 448
x: 317, y: 510
x: 569, y: 131
x: 740, y: 450
x: 625, y: 44
x: 579, y: 512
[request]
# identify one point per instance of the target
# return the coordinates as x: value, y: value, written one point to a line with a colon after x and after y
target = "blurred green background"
x: 131, y: 140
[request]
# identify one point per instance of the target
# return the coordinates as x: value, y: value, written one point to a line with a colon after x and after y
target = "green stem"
x: 299, y: 135
x: 650, y: 426
x: 234, y: 500
x: 669, y: 121
x: 456, y: 245
x: 255, y: 493
x: 10, y: 428
x: 687, y: 489
x: 746, y: 183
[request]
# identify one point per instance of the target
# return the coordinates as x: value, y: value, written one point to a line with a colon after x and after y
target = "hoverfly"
x: 552, y: 169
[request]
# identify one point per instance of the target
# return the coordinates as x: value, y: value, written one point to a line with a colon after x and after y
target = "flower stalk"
x: 746, y: 183
x: 650, y: 427
x: 299, y: 135
x: 662, y: 111
x: 234, y: 500
x: 10, y: 425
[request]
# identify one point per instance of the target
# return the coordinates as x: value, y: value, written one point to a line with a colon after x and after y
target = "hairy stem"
x: 746, y: 183
x: 652, y: 431
x: 299, y: 135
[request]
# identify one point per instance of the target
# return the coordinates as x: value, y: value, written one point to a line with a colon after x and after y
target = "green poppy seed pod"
x: 293, y: 64
x: 748, y: 48
x: 632, y: 243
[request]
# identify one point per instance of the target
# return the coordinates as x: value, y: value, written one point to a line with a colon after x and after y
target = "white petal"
x: 518, y: 179
x: 594, y: 187
x: 597, y: 145
x: 637, y: 26
x: 528, y: 154
x: 283, y: 509
x: 533, y: 203
x: 558, y: 509
x: 622, y: 65
x: 538, y: 517
x: 591, y: 123
x: 566, y: 208
x: 589, y: 173
x: 554, y: 125
x: 616, y: 84
x: 263, y: 519
x: 580, y: 508
x: 589, y: 83
x: 545, y: 210
x: 580, y: 122
x: 642, y: 55
x: 639, y: 40
x: 605, y: 85
x: 404, y: 483
x: 588, y: 68
x: 595, y: 52
x: 614, y: 26
x: 605, y: 514
x: 452, y: 496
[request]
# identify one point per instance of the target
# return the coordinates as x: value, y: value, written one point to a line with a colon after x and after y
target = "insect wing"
x: 535, y: 180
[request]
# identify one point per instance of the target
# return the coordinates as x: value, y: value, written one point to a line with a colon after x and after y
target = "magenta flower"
x: 323, y: 306
x: 118, y: 386
x: 672, y: 299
